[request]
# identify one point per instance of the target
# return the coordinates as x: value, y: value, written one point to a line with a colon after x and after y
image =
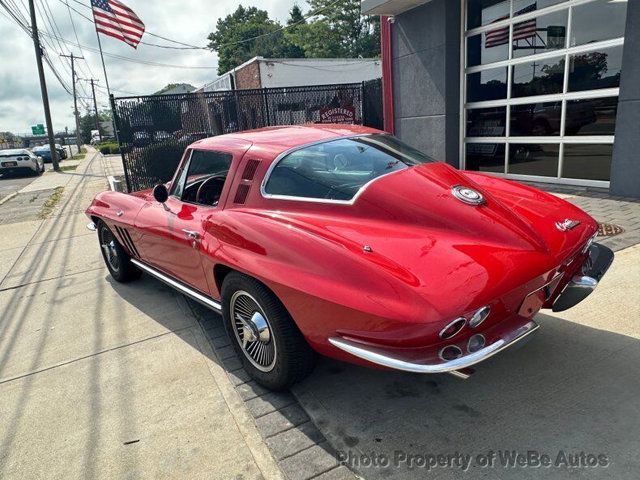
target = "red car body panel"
x: 433, y: 258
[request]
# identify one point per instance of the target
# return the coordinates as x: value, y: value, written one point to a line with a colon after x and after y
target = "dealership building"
x: 538, y: 90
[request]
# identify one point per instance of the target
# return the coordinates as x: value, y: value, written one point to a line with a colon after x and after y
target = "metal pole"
x: 95, y: 107
x: 43, y: 86
x: 76, y: 114
x: 106, y: 80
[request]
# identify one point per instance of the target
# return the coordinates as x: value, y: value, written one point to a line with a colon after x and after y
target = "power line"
x: 75, y: 33
x: 195, y: 47
x: 55, y: 29
x: 17, y: 16
x: 129, y: 59
x: 185, y: 46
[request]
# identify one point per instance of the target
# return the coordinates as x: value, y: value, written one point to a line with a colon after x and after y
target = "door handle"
x: 192, y: 234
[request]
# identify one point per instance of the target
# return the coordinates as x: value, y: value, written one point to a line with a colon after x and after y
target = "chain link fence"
x: 154, y: 130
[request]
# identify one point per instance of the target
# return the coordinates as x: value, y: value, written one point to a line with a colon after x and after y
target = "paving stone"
x: 269, y: 402
x: 220, y: 342
x: 309, y: 463
x: 226, y: 352
x: 281, y: 420
x: 216, y: 332
x: 340, y: 473
x: 238, y: 377
x: 292, y: 441
x: 250, y: 390
x: 232, y: 363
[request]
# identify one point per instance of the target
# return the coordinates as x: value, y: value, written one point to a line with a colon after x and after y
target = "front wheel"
x: 272, y: 349
x: 117, y: 260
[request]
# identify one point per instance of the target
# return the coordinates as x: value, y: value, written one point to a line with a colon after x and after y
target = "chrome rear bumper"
x: 581, y: 286
x: 373, y: 355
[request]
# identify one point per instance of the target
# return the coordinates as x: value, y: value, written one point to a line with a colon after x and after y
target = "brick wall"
x: 248, y: 76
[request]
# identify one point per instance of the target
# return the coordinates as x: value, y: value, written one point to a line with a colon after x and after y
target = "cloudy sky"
x: 185, y: 21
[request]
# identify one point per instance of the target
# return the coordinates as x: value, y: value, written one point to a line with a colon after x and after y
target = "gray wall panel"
x: 426, y: 78
x: 427, y: 134
x: 625, y: 167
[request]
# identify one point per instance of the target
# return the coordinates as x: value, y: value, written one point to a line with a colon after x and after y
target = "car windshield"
x: 338, y: 169
x: 44, y: 148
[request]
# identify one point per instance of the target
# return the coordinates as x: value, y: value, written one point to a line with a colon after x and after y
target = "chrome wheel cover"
x: 253, y: 331
x: 108, y: 245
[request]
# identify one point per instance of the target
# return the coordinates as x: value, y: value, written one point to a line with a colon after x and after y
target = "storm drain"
x: 609, y: 230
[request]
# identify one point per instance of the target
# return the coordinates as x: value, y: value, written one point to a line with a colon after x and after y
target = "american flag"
x: 522, y: 30
x: 118, y: 21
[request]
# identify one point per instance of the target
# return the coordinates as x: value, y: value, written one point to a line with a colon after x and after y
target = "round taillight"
x: 479, y: 317
x: 453, y: 328
x: 450, y: 352
x: 476, y: 342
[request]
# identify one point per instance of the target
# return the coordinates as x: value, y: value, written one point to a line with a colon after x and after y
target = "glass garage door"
x: 540, y: 87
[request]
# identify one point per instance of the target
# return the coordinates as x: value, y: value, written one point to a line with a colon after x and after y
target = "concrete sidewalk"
x: 102, y: 381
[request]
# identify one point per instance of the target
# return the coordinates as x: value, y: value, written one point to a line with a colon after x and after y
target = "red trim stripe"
x: 118, y: 26
x: 114, y: 18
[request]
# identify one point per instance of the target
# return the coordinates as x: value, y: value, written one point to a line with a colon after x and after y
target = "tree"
x: 295, y: 23
x: 170, y: 86
x: 88, y: 123
x: 235, y: 38
x: 335, y: 29
x: 347, y: 32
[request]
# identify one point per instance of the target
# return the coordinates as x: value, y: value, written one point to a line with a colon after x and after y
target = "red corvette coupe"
x: 344, y: 241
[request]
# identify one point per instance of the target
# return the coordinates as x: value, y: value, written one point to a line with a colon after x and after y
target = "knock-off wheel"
x: 253, y: 331
x: 272, y: 349
x: 117, y: 260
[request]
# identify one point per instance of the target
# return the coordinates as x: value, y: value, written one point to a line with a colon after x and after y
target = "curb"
x: 300, y: 449
x: 8, y: 197
x: 115, y: 184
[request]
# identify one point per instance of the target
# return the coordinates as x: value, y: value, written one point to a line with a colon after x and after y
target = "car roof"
x: 272, y: 141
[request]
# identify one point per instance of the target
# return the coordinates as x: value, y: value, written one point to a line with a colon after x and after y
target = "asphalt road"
x: 570, y: 392
x: 14, y: 183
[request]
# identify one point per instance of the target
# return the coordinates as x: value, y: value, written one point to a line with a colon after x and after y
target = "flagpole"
x: 106, y: 81
x: 104, y: 69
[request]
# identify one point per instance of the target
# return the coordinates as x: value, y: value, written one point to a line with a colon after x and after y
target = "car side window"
x: 203, y: 179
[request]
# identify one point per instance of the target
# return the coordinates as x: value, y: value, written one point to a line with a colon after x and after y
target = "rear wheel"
x: 117, y: 260
x: 271, y: 348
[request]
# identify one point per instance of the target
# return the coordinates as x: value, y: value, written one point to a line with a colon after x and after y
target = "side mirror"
x: 160, y: 193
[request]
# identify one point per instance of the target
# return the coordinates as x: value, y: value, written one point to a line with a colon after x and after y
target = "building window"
x: 541, y: 84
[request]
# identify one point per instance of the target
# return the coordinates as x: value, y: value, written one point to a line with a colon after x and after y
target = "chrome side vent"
x: 127, y: 241
x: 241, y: 193
x: 250, y: 169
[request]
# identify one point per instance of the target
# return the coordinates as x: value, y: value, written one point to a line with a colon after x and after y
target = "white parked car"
x: 20, y: 160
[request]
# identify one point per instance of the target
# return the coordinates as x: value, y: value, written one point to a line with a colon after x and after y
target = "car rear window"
x: 336, y: 170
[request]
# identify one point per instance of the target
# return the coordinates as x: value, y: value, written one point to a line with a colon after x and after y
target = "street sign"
x: 37, y: 129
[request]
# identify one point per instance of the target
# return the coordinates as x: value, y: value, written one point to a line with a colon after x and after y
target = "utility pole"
x: 95, y: 106
x: 75, y: 97
x: 43, y: 86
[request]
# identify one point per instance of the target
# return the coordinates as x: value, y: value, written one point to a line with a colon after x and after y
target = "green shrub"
x: 108, y: 148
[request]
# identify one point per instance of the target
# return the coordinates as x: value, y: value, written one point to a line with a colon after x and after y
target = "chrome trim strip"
x: 178, y: 286
x: 371, y: 355
x: 452, y: 322
x: 293, y: 198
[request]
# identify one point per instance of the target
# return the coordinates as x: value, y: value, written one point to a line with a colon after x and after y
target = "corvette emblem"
x: 568, y: 224
x: 467, y: 195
